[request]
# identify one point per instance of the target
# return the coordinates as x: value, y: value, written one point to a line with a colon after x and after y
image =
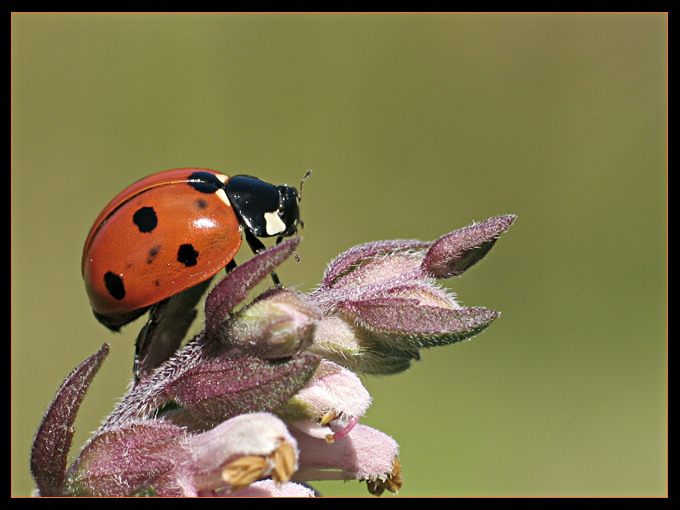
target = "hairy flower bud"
x: 279, y: 323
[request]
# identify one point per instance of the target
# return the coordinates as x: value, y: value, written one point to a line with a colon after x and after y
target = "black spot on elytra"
x: 200, y: 203
x: 205, y: 182
x: 114, y: 284
x: 187, y: 255
x: 152, y: 254
x: 145, y: 218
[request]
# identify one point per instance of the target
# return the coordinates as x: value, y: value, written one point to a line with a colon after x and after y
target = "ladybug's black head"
x: 264, y: 209
x: 289, y: 211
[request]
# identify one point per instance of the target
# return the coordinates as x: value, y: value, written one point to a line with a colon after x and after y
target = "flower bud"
x: 278, y: 324
x: 454, y: 253
x: 220, y: 389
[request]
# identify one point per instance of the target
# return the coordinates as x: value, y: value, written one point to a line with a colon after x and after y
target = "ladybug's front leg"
x: 257, y: 246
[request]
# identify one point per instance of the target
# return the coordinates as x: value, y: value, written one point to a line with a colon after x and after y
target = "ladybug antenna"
x: 302, y: 182
x: 301, y: 223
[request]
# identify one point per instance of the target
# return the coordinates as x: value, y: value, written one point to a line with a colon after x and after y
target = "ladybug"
x: 174, y: 230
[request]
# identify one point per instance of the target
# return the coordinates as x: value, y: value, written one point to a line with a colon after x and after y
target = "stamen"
x: 327, y: 418
x: 284, y: 462
x: 392, y: 482
x: 244, y: 471
x: 250, y: 468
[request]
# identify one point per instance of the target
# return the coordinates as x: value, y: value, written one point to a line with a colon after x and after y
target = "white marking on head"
x: 275, y: 224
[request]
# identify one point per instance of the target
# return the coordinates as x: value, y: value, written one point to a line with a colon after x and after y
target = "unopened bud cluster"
x: 267, y: 397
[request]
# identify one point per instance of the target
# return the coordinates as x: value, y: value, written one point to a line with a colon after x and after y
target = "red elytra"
x: 155, y: 239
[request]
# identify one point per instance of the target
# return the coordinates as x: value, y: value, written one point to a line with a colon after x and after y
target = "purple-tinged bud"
x: 454, y: 253
x: 235, y: 286
x: 348, y: 261
x: 278, y: 324
x: 220, y: 389
x: 405, y: 323
x: 53, y: 440
x: 124, y: 460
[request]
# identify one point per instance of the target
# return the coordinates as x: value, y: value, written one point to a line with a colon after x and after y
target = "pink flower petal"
x: 270, y: 489
x: 363, y: 454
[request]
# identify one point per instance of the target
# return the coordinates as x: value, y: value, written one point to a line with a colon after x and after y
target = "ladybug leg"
x: 167, y: 326
x: 254, y: 243
x: 257, y: 246
x: 141, y: 365
x: 230, y: 266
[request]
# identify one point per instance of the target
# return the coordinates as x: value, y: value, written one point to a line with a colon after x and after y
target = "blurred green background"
x: 414, y: 125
